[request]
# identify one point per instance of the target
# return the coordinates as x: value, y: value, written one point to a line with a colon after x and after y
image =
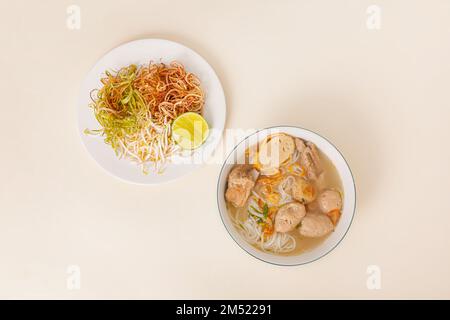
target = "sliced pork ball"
x: 310, y: 160
x: 274, y: 151
x: 289, y: 216
x: 315, y: 225
x: 269, y: 171
x: 287, y: 147
x: 241, y: 180
x: 300, y: 145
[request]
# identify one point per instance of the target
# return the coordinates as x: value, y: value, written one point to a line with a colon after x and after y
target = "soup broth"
x: 288, y: 208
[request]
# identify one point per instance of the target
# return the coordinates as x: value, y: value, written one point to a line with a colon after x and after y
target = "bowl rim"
x: 220, y: 211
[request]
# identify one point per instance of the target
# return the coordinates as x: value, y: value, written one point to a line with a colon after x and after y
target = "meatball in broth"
x: 289, y: 216
x: 287, y: 198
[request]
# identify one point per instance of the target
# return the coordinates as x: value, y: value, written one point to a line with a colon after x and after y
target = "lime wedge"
x: 190, y: 130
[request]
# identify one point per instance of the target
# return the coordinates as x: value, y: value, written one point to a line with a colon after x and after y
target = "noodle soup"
x: 286, y: 198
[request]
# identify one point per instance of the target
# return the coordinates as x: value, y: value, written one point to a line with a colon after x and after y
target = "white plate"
x: 349, y: 201
x: 142, y: 52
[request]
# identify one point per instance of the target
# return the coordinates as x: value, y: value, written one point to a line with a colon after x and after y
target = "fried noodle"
x: 136, y: 106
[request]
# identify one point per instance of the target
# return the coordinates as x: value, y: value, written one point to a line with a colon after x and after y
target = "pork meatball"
x: 289, y: 216
x: 329, y: 200
x: 315, y: 225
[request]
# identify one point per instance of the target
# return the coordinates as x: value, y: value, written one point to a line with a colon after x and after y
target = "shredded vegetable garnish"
x: 136, y: 106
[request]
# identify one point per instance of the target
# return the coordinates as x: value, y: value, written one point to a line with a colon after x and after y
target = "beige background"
x: 381, y: 96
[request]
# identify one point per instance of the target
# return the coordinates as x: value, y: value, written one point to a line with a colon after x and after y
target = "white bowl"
x: 142, y: 52
x: 349, y: 200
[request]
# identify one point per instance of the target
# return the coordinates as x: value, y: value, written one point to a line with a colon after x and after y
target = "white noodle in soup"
x: 286, y: 201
